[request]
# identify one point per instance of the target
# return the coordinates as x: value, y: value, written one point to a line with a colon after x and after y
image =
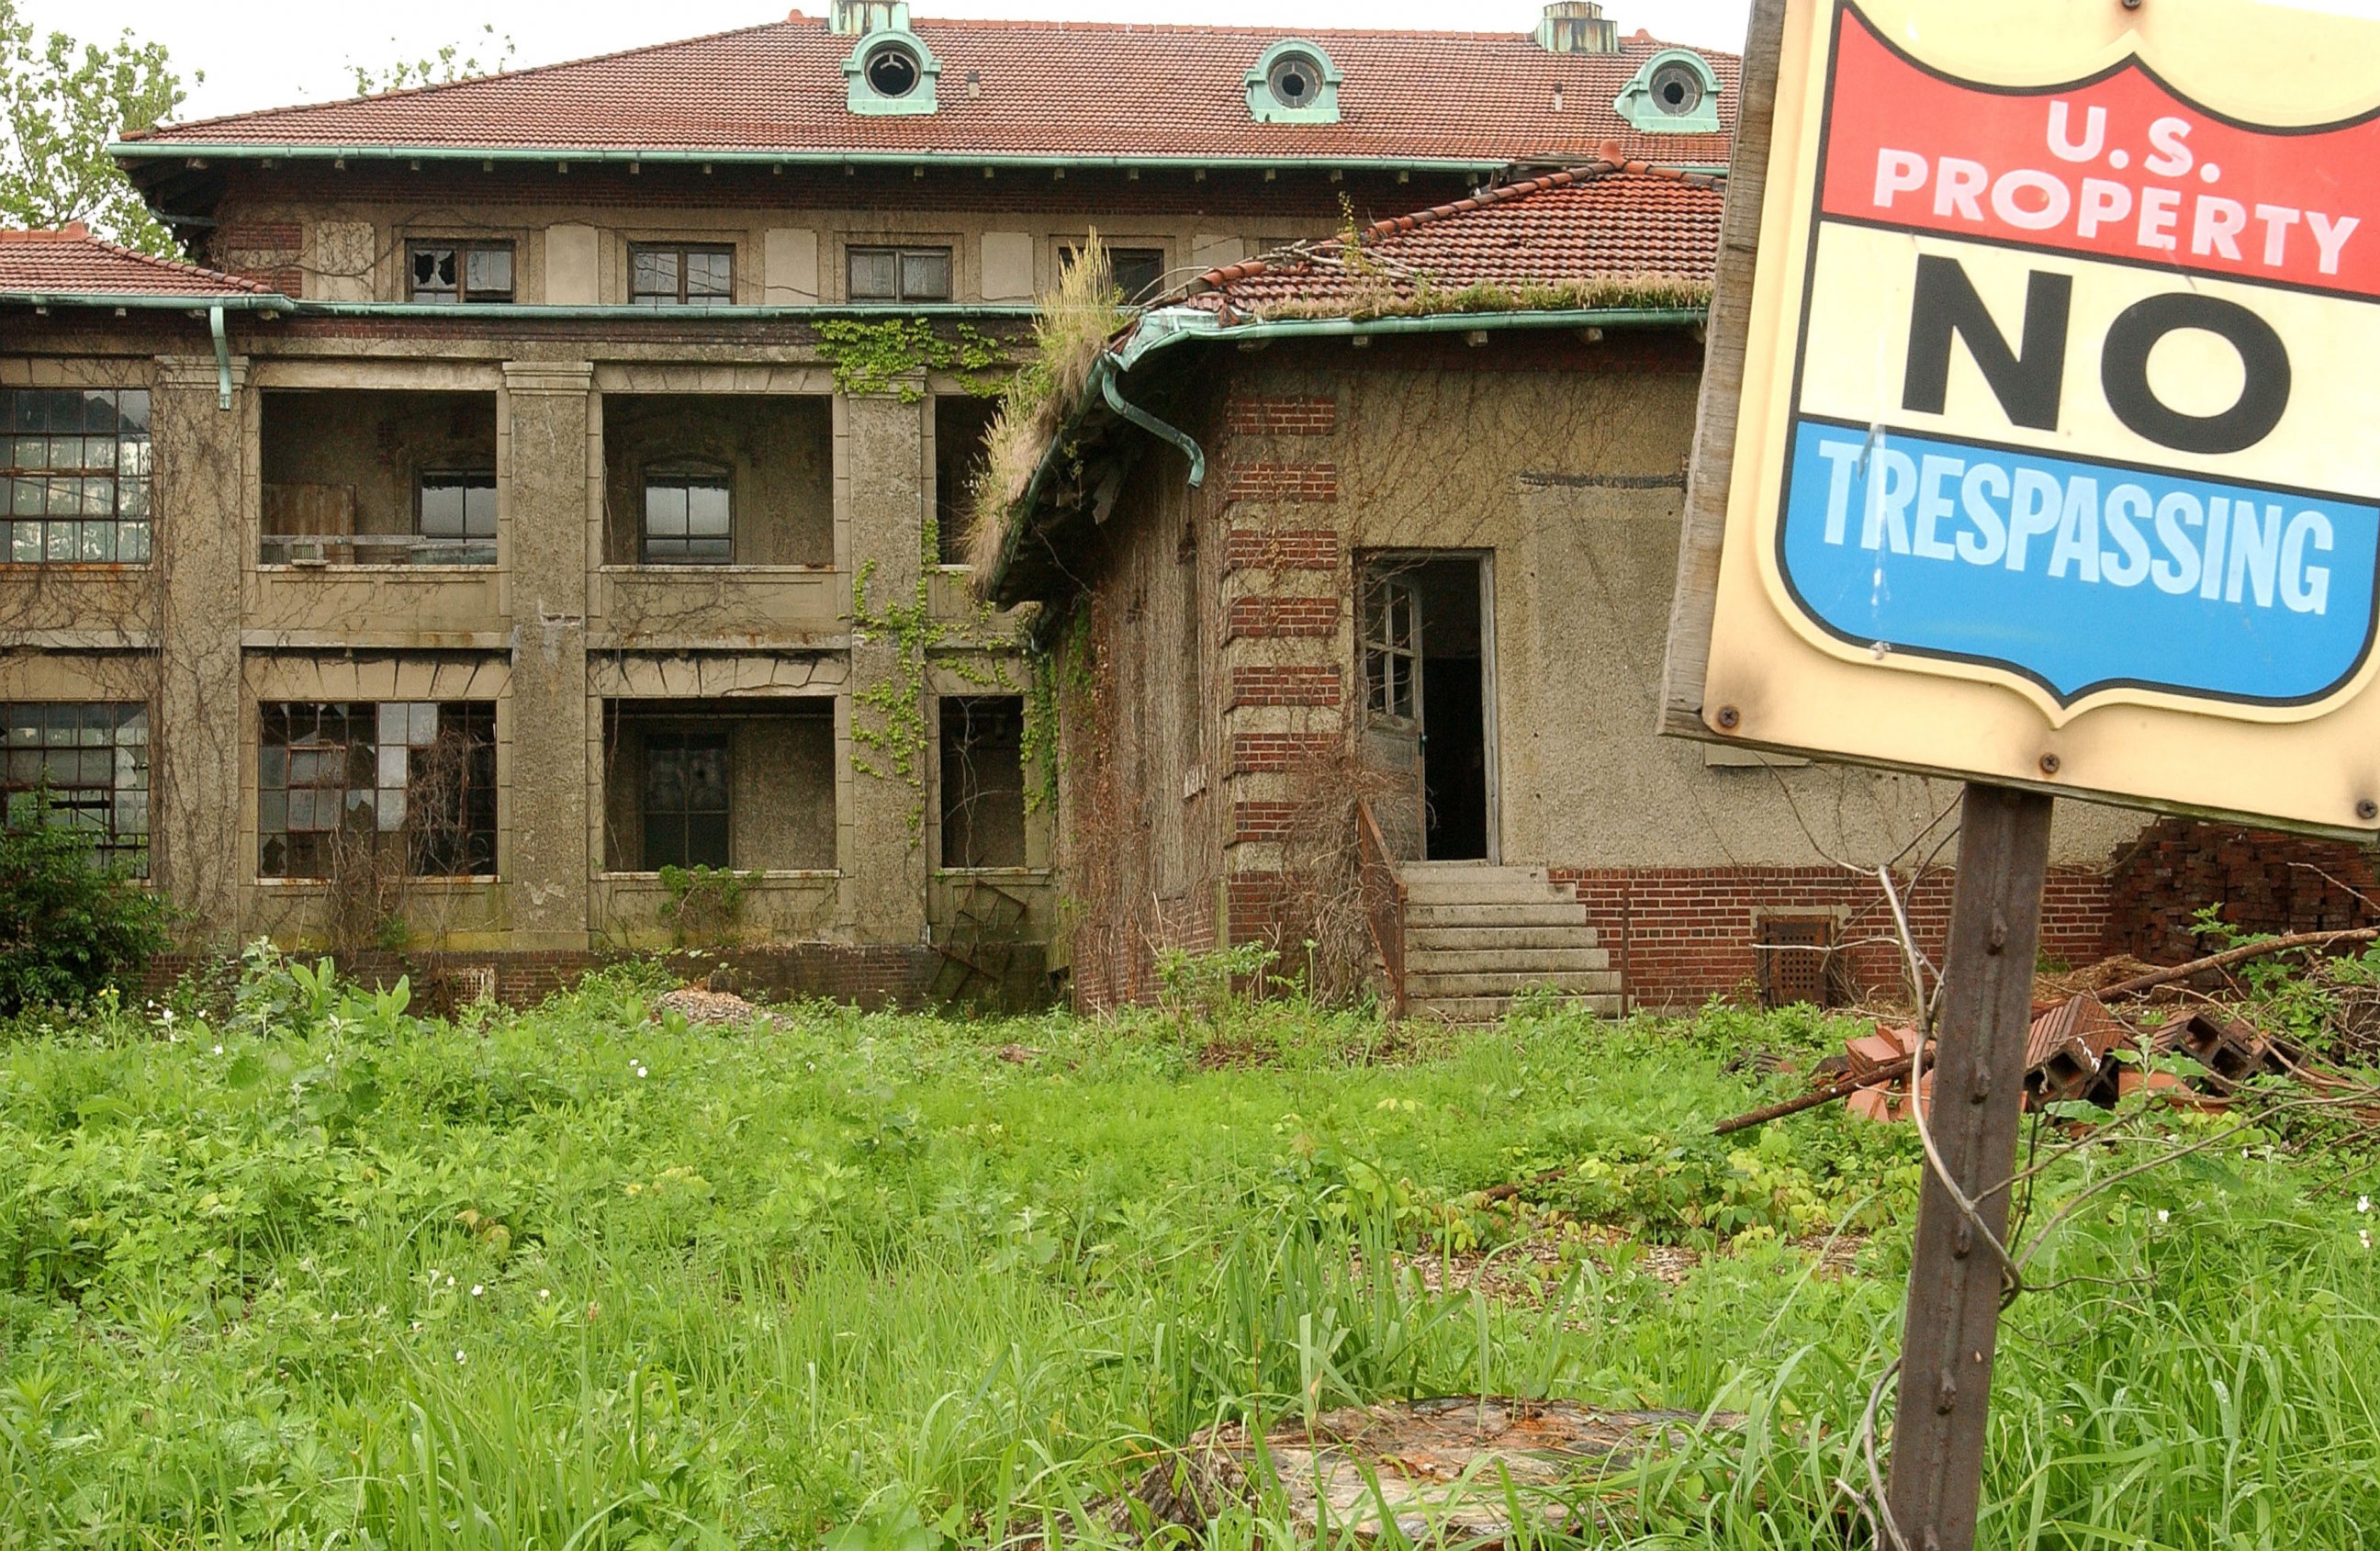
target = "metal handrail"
x: 1384, y: 903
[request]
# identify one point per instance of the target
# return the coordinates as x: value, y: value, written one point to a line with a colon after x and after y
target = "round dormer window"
x: 1296, y: 81
x: 892, y: 71
x: 1676, y: 89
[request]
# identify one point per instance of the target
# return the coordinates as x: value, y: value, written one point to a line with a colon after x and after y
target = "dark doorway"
x: 1446, y: 651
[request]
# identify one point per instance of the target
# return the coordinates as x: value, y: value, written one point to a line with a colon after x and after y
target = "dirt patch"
x: 699, y: 1006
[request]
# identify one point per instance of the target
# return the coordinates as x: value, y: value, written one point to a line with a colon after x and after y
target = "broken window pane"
x: 333, y: 778
x: 92, y: 756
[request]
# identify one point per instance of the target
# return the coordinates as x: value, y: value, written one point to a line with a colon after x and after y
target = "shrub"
x: 67, y: 925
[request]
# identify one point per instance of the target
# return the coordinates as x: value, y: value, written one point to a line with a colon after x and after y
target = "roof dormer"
x: 1294, y: 82
x: 1674, y: 92
x: 890, y: 70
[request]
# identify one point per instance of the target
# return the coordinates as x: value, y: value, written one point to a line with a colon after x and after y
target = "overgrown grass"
x: 323, y: 1273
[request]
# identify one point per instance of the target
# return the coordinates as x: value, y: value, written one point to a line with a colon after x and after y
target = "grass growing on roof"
x: 324, y: 1272
x: 1074, y: 326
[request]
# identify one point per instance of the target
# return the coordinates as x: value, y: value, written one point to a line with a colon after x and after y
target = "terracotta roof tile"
x: 1613, y: 219
x: 73, y: 262
x: 1011, y: 88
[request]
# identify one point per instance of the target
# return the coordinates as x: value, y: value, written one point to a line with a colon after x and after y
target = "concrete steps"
x: 1477, y: 937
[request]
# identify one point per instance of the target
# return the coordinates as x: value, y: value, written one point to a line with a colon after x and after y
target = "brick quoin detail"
x: 1282, y: 417
x: 1282, y: 616
x: 1306, y: 549
x: 1286, y: 687
x: 1284, y: 481
x: 1271, y: 753
x: 1258, y: 822
x: 1681, y: 935
x: 255, y: 237
x: 1253, y: 902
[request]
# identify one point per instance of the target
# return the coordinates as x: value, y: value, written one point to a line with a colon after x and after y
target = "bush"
x: 67, y: 925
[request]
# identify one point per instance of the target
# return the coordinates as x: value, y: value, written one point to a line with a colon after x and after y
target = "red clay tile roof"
x: 73, y: 262
x: 1613, y: 219
x: 1007, y: 88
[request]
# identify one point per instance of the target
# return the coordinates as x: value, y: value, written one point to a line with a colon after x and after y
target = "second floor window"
x: 898, y: 274
x: 455, y: 519
x: 459, y: 272
x: 74, y: 463
x: 689, y: 517
x: 681, y: 275
x: 1140, y: 272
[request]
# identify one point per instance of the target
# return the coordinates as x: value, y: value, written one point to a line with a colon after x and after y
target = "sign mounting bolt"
x: 1729, y: 717
x: 2049, y: 764
x: 2367, y: 808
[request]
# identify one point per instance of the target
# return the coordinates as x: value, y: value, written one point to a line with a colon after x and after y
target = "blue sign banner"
x: 2080, y: 576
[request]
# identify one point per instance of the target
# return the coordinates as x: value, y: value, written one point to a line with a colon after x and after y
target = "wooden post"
x: 1954, y: 1279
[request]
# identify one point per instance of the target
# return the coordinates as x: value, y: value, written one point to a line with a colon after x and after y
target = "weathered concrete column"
x: 884, y: 496
x: 205, y: 462
x: 551, y: 461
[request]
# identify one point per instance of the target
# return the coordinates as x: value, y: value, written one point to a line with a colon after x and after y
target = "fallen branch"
x: 1884, y: 1074
x: 2240, y: 954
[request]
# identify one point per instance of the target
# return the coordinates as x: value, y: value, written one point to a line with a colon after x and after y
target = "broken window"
x: 455, y: 519
x: 74, y: 463
x: 681, y: 275
x: 689, y: 517
x: 424, y: 769
x: 961, y: 423
x: 1140, y: 272
x: 686, y: 817
x: 93, y: 757
x: 983, y: 780
x: 459, y: 272
x: 898, y: 274
x: 1391, y: 647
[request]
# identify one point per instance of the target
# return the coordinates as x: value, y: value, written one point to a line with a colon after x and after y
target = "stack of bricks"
x: 2263, y: 883
x: 1283, y: 605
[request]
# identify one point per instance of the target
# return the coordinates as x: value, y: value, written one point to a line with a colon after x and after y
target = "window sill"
x: 440, y: 880
x: 992, y: 872
x: 92, y: 567
x: 701, y: 570
x: 374, y: 568
x: 768, y: 874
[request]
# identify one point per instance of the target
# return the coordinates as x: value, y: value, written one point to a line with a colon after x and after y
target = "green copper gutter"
x: 617, y: 313
x: 1166, y: 327
x: 160, y: 151
x: 196, y: 306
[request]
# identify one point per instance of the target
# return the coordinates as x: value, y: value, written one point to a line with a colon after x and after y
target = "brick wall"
x: 1681, y: 935
x: 1292, y: 684
x: 1273, y: 753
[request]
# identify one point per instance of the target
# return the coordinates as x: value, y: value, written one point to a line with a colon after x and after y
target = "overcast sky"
x: 265, y: 58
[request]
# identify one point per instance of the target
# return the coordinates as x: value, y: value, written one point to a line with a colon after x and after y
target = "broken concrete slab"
x: 1461, y: 1469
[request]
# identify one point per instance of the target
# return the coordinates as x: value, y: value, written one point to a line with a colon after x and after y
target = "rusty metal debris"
x: 2069, y: 1059
x: 1455, y: 1471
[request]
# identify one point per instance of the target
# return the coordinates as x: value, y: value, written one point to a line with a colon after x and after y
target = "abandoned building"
x: 1359, y: 557
x: 555, y: 479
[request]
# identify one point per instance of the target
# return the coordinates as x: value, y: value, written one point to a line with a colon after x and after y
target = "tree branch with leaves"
x: 61, y: 102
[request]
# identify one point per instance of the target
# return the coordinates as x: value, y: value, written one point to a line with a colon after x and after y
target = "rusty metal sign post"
x: 2032, y: 453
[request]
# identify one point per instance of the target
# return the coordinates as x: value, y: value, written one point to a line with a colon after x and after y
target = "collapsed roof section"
x: 1613, y: 243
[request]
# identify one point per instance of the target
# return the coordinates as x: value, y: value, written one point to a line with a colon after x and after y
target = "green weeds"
x: 325, y: 1272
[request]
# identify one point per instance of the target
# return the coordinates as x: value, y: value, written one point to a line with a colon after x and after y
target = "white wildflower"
x: 218, y: 1049
x: 543, y: 1294
x: 458, y: 1354
x: 2363, y: 1204
x: 2164, y: 1215
x: 476, y: 1290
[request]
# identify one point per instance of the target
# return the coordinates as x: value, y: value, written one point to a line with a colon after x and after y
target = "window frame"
x: 354, y: 769
x: 462, y: 249
x: 118, y: 729
x: 1150, y: 247
x: 686, y: 742
x: 129, y: 493
x: 690, y: 474
x: 681, y: 252
x: 901, y: 252
x: 469, y: 543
